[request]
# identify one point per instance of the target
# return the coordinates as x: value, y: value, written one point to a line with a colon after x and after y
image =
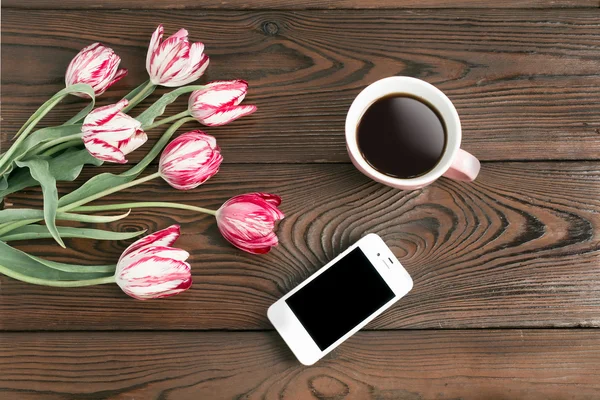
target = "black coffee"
x: 401, y: 136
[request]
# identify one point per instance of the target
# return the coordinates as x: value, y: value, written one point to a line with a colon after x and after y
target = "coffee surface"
x: 401, y: 136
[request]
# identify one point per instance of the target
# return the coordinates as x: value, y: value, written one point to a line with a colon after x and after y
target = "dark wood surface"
x: 526, y: 84
x: 406, y: 365
x: 519, y: 249
x: 290, y: 4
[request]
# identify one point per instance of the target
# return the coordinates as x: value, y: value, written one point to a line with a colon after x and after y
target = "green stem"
x: 60, y: 140
x: 62, y: 146
x: 157, y: 204
x: 46, y: 282
x: 17, y: 224
x: 139, y: 97
x: 23, y: 132
x: 168, y: 119
x: 109, y: 191
x: 158, y: 146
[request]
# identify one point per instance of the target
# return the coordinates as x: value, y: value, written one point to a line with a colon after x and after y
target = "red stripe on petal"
x: 228, y: 114
x: 104, y: 151
x: 164, y: 237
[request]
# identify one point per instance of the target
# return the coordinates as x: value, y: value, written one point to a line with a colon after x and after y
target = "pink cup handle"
x: 465, y: 167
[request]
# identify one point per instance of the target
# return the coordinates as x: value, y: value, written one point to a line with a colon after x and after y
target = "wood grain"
x: 520, y: 247
x: 526, y: 84
x: 292, y: 5
x: 411, y: 365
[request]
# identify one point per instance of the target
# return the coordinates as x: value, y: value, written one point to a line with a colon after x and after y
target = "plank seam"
x: 232, y: 9
x: 504, y: 328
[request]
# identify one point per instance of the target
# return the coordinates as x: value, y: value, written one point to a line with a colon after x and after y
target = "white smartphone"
x: 339, y: 299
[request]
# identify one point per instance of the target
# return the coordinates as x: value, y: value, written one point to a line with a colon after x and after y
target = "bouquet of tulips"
x: 150, y: 267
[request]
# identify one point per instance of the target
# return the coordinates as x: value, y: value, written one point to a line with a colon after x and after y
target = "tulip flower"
x: 189, y: 160
x: 248, y: 221
x: 150, y: 268
x: 218, y: 103
x: 109, y: 134
x: 96, y: 65
x: 174, y: 62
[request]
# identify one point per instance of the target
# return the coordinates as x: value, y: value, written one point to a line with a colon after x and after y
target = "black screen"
x: 340, y: 298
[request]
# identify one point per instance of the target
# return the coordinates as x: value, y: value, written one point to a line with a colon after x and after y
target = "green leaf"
x: 30, y: 143
x: 48, y: 134
x: 40, y: 171
x: 53, y: 101
x: 23, y: 263
x: 3, y: 185
x: 78, y: 268
x: 81, y: 114
x: 158, y: 108
x: 29, y: 232
x: 94, y: 185
x: 18, y: 214
x: 15, y: 152
x: 64, y: 167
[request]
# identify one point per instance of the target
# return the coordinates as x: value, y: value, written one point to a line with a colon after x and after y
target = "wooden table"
x: 506, y: 302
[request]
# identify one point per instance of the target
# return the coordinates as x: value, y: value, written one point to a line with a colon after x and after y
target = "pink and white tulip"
x: 96, y: 65
x: 248, y: 221
x: 218, y: 103
x: 174, y: 62
x: 190, y: 160
x: 109, y: 134
x: 150, y: 268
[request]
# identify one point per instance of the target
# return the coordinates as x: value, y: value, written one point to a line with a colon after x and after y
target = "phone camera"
x: 378, y: 254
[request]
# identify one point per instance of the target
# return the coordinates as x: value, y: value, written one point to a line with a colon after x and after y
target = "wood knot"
x: 325, y: 387
x: 270, y: 28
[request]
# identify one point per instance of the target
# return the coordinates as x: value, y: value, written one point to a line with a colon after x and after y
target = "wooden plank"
x: 525, y: 83
x: 292, y: 5
x: 471, y: 364
x: 520, y: 247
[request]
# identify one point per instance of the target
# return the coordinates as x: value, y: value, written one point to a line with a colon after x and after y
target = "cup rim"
x: 427, y: 92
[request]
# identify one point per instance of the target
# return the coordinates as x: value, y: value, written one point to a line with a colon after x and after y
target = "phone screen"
x: 340, y: 298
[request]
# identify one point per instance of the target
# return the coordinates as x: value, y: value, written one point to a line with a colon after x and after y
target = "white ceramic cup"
x: 455, y: 163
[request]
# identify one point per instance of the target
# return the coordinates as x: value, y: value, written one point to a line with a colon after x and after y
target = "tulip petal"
x: 95, y: 65
x: 190, y: 74
x: 197, y: 62
x: 225, y: 115
x: 181, y: 34
x: 248, y: 221
x: 174, y: 59
x: 164, y: 237
x: 121, y: 73
x: 190, y: 160
x: 132, y: 143
x: 104, y: 151
x: 102, y: 115
x: 153, y: 47
x: 269, y: 198
x: 154, y: 277
x: 110, y: 125
x: 152, y: 250
x: 219, y: 94
x: 256, y: 246
x: 174, y: 62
